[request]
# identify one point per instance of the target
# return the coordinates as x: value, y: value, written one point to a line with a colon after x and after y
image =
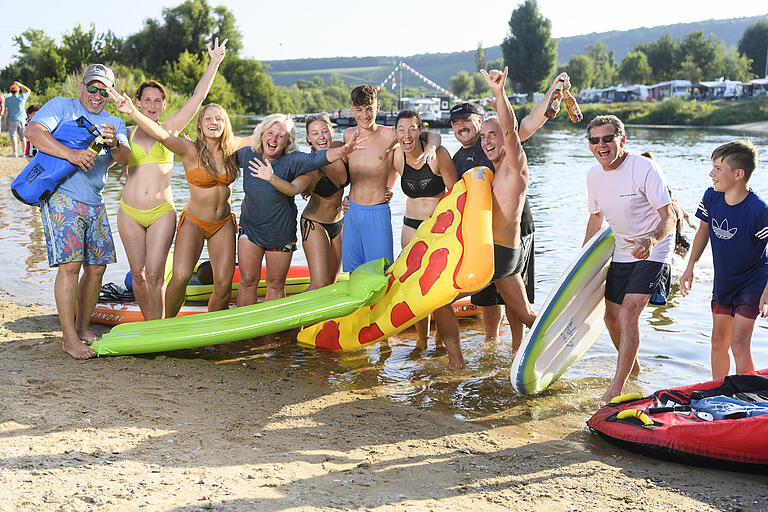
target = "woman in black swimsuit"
x: 424, y: 187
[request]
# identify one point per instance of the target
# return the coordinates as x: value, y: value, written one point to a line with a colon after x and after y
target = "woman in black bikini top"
x: 424, y: 187
x: 322, y: 220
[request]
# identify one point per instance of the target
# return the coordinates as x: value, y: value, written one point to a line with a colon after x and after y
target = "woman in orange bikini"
x: 147, y: 216
x: 211, y: 168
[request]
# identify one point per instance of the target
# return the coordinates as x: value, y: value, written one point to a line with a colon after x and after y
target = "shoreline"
x: 760, y: 127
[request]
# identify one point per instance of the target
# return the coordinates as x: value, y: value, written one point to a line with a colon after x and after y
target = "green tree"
x: 581, y: 70
x: 529, y: 50
x: 83, y: 47
x: 689, y: 71
x: 78, y: 47
x: 226, y: 28
x: 733, y: 66
x: 249, y: 78
x: 39, y: 64
x: 663, y: 56
x: 186, y: 27
x: 462, y: 84
x: 479, y: 56
x: 635, y: 69
x: 337, y: 92
x: 754, y: 45
x: 699, y: 50
x: 111, y: 47
x: 480, y: 88
x: 495, y: 64
x: 183, y: 75
x: 605, y: 70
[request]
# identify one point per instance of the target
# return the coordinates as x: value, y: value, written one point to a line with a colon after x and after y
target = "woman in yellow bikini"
x: 146, y: 219
x: 211, y: 168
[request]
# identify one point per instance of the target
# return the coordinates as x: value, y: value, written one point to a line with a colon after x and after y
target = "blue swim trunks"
x: 76, y: 231
x: 367, y: 235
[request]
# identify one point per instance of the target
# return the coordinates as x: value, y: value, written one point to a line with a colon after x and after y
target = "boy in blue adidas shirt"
x: 735, y: 220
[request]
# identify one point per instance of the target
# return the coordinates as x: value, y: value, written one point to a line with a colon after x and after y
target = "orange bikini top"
x: 199, y: 177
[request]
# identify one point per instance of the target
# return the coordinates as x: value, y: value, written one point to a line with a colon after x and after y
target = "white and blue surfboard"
x: 570, y: 320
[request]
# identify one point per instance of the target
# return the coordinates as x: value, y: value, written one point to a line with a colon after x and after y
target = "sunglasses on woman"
x: 605, y: 138
x: 92, y: 89
x: 320, y: 116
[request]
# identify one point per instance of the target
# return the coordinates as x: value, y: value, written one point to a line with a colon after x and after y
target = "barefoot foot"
x: 77, y: 349
x: 87, y: 336
x: 610, y: 394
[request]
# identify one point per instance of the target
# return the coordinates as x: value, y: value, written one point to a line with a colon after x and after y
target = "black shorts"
x: 489, y: 296
x: 643, y: 277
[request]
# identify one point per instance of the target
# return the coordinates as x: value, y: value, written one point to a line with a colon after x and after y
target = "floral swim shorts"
x: 76, y: 231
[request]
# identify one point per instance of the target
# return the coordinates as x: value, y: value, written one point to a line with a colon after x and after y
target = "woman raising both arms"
x: 268, y: 213
x: 146, y: 219
x: 210, y: 168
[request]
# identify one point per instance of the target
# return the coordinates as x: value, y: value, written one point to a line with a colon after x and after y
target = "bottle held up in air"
x: 572, y: 107
x: 553, y: 107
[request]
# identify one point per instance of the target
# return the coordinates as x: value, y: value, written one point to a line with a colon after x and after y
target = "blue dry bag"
x: 43, y: 174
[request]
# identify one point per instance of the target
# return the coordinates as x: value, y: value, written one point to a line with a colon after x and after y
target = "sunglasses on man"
x: 92, y: 89
x: 605, y: 138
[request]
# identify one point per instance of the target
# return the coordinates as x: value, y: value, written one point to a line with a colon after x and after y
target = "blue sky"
x: 360, y: 28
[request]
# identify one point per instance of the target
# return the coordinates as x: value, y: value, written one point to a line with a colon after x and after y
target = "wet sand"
x: 178, y: 432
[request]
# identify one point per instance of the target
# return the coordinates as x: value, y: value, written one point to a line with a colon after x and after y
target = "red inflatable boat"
x: 715, y: 424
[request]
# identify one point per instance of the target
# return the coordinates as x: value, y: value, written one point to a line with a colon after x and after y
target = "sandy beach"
x: 176, y: 432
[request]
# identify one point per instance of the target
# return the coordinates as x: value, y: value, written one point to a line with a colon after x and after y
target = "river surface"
x: 674, y: 338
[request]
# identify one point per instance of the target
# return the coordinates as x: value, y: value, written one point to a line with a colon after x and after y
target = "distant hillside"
x: 440, y: 67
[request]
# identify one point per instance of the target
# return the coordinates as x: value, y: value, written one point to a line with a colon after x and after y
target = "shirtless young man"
x: 368, y: 222
x: 501, y: 143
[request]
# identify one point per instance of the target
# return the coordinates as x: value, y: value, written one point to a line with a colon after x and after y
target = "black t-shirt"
x: 467, y: 158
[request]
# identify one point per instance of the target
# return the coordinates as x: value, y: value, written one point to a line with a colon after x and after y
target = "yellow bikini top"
x: 158, y: 154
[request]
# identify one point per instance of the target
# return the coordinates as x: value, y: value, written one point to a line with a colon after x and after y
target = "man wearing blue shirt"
x: 15, y: 111
x: 77, y: 232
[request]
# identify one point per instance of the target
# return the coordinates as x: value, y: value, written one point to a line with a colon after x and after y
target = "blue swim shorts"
x: 76, y: 231
x: 367, y: 235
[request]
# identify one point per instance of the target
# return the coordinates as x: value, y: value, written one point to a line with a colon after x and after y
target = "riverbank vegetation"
x: 530, y: 52
x: 672, y: 111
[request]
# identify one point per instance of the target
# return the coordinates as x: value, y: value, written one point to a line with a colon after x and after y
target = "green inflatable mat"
x: 366, y: 285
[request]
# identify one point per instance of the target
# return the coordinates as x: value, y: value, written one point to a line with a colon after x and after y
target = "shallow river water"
x: 674, y: 338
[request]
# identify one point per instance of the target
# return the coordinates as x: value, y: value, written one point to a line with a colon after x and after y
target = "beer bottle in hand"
x: 574, y: 112
x: 553, y: 107
x: 97, y: 145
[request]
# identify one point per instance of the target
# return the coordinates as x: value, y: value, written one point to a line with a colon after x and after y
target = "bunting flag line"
x: 420, y: 77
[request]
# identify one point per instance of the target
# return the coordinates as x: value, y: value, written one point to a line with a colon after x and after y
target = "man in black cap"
x: 466, y: 122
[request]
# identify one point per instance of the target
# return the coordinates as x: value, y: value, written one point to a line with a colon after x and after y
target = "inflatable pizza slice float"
x: 451, y: 253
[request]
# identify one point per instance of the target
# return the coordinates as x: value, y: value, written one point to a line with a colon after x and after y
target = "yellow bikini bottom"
x: 146, y: 218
